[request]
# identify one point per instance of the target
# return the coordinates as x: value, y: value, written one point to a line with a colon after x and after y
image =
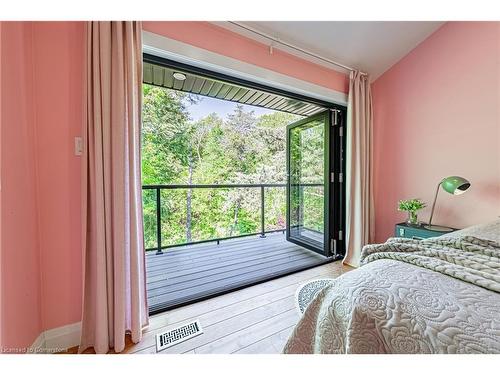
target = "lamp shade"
x: 455, y: 185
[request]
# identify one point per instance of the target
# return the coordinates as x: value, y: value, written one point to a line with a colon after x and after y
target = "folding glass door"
x: 314, y: 194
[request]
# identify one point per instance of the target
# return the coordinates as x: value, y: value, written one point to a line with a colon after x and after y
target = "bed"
x: 439, y: 295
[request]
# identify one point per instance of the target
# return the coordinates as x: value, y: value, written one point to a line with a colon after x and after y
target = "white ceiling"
x: 372, y: 47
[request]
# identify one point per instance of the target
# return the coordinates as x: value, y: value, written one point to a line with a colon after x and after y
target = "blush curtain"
x: 114, y: 302
x: 359, y: 168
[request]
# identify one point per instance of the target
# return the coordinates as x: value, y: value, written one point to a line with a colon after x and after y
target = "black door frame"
x: 334, y: 188
x: 325, y: 118
x: 336, y: 181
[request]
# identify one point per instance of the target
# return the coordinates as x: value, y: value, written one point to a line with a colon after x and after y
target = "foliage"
x: 307, y: 171
x: 411, y: 205
x: 240, y: 149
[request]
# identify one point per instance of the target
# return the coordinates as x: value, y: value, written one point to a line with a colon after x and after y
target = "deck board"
x: 192, y: 272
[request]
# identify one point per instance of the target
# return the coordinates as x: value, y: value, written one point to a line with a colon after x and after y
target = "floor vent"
x: 177, y: 335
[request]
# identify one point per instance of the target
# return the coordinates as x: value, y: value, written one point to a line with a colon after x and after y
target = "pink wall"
x: 42, y: 267
x: 219, y: 40
x: 42, y: 70
x: 20, y: 258
x: 58, y: 52
x: 436, y: 114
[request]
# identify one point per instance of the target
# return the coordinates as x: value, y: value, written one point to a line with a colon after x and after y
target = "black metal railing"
x: 262, y: 187
x: 159, y: 188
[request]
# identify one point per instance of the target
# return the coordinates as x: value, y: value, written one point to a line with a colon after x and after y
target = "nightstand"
x: 417, y: 232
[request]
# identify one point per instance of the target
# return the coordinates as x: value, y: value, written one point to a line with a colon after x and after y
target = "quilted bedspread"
x: 433, y: 296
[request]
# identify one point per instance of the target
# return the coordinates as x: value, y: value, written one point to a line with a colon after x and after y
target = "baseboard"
x: 57, y: 339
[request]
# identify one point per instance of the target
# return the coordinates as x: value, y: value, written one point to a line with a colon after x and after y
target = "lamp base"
x: 438, y: 228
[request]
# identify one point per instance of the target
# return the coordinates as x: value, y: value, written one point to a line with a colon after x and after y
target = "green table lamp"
x: 455, y: 185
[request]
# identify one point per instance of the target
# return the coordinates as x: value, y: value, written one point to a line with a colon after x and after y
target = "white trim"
x: 161, y: 46
x: 57, y: 339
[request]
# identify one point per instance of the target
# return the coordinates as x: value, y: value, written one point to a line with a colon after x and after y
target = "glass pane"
x: 307, y: 155
x: 191, y: 215
x: 275, y: 208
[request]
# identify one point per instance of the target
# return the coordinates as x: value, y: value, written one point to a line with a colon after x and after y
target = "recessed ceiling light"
x: 179, y: 76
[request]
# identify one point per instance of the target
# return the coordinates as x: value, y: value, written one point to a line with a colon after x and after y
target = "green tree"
x: 242, y: 148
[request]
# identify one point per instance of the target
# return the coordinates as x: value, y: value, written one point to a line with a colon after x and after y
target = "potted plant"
x: 411, y: 206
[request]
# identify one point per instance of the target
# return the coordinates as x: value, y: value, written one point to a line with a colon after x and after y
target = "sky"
x: 209, y: 105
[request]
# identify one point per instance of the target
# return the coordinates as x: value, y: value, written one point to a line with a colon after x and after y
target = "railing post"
x: 262, y: 225
x: 158, y: 221
x: 301, y: 206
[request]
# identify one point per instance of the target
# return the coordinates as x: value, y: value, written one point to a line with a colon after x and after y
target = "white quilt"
x: 390, y: 306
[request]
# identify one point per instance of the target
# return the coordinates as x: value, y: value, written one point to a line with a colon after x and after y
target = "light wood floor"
x: 257, y: 319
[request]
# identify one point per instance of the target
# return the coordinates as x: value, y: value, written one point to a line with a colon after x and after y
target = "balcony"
x: 182, y: 272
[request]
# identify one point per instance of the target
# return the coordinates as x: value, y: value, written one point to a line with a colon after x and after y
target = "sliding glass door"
x: 313, y: 209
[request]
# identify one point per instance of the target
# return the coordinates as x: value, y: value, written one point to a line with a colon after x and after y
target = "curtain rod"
x: 298, y: 49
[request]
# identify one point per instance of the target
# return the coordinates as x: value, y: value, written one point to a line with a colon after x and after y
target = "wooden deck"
x: 189, y: 273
